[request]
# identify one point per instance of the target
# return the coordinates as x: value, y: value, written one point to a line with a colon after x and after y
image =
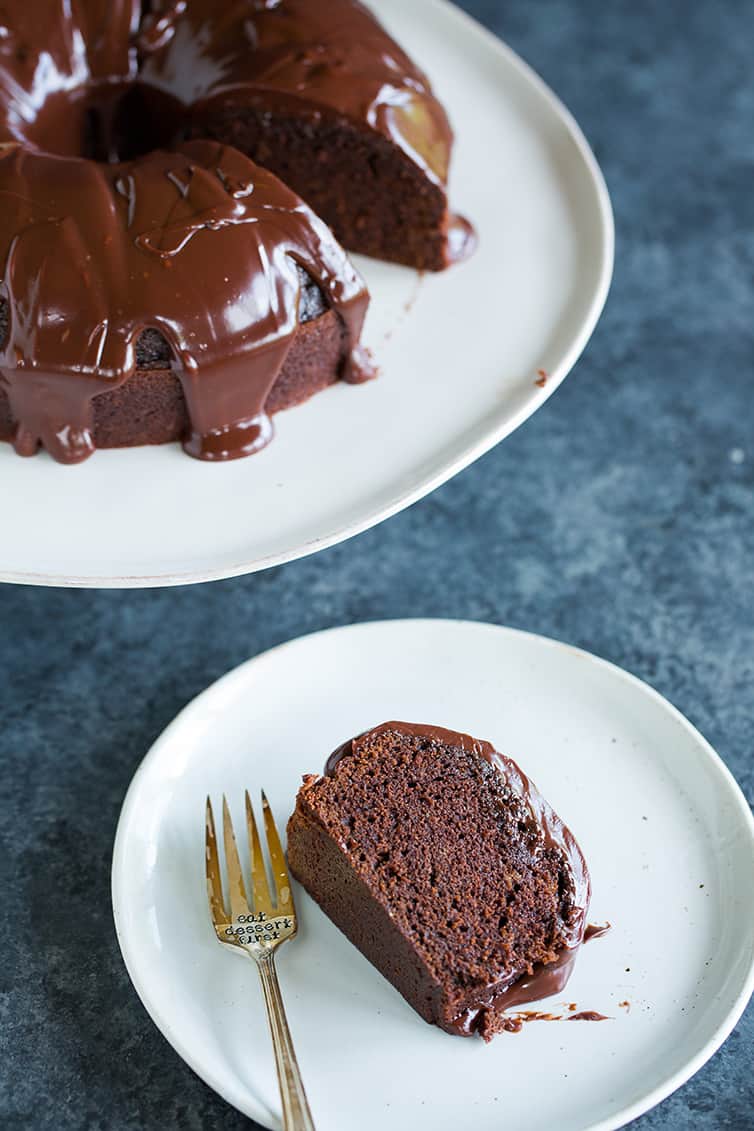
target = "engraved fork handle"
x: 296, y: 1114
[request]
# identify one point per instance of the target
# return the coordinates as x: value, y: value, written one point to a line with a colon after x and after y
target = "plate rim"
x: 237, y: 674
x: 473, y: 450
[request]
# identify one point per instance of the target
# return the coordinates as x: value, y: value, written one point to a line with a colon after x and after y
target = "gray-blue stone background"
x: 620, y: 518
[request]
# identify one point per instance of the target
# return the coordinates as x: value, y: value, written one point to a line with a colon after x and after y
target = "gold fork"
x: 258, y: 933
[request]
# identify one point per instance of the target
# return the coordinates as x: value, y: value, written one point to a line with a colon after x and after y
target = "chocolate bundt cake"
x: 442, y: 863
x: 158, y: 287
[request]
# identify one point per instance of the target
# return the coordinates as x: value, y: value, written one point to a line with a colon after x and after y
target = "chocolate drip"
x: 596, y: 931
x: 461, y: 239
x: 200, y: 245
x: 546, y: 979
x: 51, y: 46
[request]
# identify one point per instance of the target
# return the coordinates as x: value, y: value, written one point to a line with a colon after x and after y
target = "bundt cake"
x: 441, y: 862
x: 160, y: 285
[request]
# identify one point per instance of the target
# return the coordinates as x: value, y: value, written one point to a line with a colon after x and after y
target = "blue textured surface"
x: 620, y: 518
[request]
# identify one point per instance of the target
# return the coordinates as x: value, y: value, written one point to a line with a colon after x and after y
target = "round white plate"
x: 459, y: 355
x: 667, y: 833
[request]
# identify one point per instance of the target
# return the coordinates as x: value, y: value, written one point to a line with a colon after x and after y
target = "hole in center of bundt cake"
x: 107, y: 121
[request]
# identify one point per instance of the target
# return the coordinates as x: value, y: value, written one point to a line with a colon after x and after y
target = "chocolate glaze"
x: 595, y: 931
x: 201, y: 245
x: 546, y: 979
x: 515, y: 1022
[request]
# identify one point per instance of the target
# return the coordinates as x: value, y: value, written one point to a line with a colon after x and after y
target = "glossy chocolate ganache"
x: 113, y: 224
x: 198, y: 244
x: 442, y: 862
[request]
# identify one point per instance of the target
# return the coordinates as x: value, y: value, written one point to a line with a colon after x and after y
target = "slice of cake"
x: 441, y: 862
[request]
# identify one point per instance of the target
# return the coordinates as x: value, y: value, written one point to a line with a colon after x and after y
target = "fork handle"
x: 296, y: 1114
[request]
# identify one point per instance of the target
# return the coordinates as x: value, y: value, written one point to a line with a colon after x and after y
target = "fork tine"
x: 261, y: 888
x: 277, y: 857
x: 238, y: 902
x: 217, y: 906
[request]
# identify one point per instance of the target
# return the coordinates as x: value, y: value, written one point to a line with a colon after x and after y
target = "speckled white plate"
x: 459, y: 354
x: 667, y: 833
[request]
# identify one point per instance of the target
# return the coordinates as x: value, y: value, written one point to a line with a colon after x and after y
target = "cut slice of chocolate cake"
x: 441, y: 862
